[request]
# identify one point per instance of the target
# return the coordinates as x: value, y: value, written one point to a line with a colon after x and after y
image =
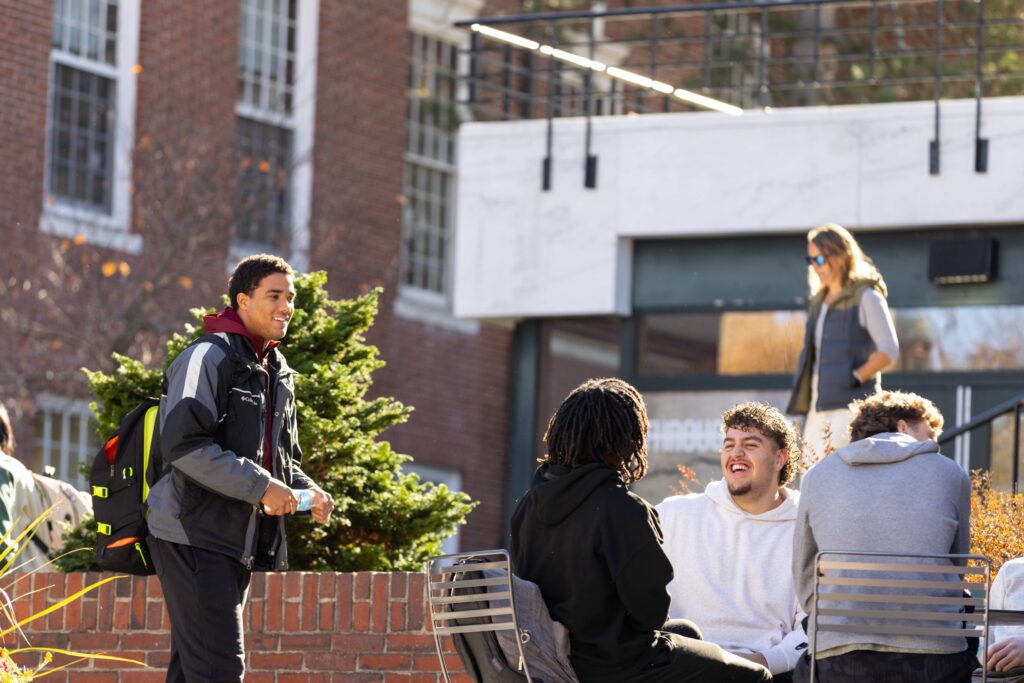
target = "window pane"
x: 263, y: 186
x: 52, y: 439
x: 932, y: 339
x: 951, y: 339
x: 267, y: 51
x: 727, y: 343
x: 431, y: 120
x: 86, y: 28
x: 80, y: 150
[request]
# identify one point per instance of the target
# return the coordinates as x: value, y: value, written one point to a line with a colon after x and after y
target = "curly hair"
x: 601, y: 420
x: 770, y: 422
x: 250, y: 271
x: 880, y: 413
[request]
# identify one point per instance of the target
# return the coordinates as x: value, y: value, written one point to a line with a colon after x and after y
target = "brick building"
x: 150, y: 144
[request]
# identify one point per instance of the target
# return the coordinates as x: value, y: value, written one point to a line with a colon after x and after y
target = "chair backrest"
x: 898, y: 594
x: 471, y: 607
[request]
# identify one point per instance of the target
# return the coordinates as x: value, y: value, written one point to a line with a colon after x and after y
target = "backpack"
x: 124, y: 470
x: 72, y: 506
x: 493, y: 657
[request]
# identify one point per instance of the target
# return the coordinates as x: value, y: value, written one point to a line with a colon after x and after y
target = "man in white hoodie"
x: 731, y: 546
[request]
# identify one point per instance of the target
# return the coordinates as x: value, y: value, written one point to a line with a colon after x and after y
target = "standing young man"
x: 731, y: 547
x: 594, y: 549
x: 229, y: 440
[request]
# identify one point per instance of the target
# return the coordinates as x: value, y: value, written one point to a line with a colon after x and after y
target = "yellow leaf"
x: 124, y: 268
x: 185, y: 281
x: 108, y: 268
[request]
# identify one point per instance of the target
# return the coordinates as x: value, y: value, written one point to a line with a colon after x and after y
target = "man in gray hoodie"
x: 889, y: 490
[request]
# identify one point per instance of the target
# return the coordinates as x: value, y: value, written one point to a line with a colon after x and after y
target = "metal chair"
x: 885, y: 593
x: 470, y: 596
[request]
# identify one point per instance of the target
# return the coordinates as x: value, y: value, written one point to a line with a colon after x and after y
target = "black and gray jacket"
x: 212, y: 433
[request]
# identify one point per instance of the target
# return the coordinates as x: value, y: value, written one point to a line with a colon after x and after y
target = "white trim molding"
x: 306, y: 59
x: 435, y: 18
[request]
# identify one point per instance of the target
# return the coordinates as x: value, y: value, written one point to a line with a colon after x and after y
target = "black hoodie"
x: 594, y: 549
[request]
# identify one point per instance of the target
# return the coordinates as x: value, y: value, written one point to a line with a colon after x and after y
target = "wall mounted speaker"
x: 960, y: 261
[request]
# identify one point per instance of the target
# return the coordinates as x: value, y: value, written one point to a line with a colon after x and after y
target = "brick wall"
x: 457, y: 381
x: 328, y: 627
x: 185, y: 134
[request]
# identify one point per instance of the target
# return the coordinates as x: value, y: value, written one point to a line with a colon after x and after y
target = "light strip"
x: 506, y: 37
x: 572, y: 58
x: 613, y: 71
x: 708, y: 102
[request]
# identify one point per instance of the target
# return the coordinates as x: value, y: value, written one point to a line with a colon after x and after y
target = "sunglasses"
x: 818, y: 260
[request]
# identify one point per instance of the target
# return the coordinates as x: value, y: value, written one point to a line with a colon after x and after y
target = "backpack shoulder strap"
x: 217, y: 340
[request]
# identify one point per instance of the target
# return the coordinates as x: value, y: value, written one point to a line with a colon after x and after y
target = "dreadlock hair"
x: 601, y: 420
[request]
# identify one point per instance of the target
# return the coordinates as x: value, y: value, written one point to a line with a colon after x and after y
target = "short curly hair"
x: 250, y: 271
x: 880, y: 413
x: 770, y: 422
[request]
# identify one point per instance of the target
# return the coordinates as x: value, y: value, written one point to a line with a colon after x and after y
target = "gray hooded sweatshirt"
x: 886, y: 493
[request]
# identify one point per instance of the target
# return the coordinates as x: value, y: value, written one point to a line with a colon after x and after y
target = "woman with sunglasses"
x: 849, y: 340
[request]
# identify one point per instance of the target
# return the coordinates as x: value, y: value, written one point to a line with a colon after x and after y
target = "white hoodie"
x: 732, y: 573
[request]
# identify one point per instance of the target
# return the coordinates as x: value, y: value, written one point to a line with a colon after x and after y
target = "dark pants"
x: 688, y: 629
x: 204, y: 592
x: 868, y: 666
x: 691, y: 660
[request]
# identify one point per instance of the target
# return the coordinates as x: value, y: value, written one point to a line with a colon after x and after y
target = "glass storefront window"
x: 726, y: 343
x: 960, y: 339
x: 932, y: 339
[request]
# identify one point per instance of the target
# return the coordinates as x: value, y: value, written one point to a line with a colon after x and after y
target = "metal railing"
x: 749, y: 54
x: 1014, y: 405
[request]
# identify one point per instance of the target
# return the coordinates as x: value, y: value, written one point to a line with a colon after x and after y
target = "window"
x: 91, y: 120
x: 932, y: 339
x: 64, y: 438
x: 266, y: 122
x: 437, y: 475
x: 433, y: 120
x: 727, y: 343
x: 266, y: 152
x: 276, y: 108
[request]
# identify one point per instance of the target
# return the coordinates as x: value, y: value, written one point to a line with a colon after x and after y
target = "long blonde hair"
x: 832, y: 240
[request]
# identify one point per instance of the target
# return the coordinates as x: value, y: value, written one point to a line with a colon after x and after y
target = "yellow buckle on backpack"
x: 100, y: 492
x: 103, y: 528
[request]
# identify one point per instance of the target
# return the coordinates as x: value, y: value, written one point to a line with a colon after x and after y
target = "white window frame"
x: 439, y: 475
x: 301, y: 123
x: 111, y: 230
x: 66, y: 468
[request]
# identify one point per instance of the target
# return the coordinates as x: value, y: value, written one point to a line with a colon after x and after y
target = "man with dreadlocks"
x: 594, y: 548
x: 732, y: 546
